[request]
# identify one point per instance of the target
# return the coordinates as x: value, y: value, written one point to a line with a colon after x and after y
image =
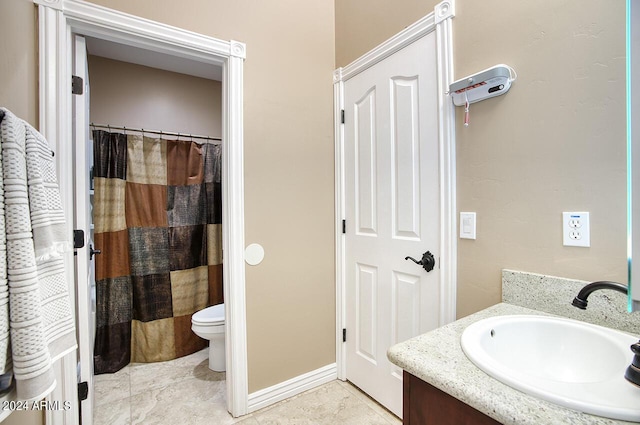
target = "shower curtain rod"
x: 162, y: 133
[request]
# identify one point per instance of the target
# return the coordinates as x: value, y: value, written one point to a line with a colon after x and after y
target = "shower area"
x: 157, y: 217
x: 156, y: 207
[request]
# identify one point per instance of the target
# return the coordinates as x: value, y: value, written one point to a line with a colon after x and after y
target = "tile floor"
x: 185, y: 391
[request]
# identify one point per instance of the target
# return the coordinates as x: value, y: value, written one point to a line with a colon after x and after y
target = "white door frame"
x: 82, y: 220
x: 58, y: 19
x: 440, y: 21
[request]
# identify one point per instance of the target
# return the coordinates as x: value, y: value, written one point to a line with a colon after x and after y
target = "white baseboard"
x: 292, y: 387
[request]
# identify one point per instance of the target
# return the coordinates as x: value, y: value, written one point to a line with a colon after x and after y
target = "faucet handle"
x: 635, y: 348
x: 632, y: 374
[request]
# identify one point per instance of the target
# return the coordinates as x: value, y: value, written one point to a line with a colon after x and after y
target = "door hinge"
x: 77, y: 85
x: 78, y: 239
x: 342, y: 116
x: 344, y: 226
x: 83, y: 390
x: 344, y: 334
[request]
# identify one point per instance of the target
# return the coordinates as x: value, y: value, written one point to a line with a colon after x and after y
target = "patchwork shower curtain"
x: 157, y: 220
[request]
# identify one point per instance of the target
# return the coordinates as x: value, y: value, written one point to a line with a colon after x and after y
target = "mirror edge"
x: 633, y: 155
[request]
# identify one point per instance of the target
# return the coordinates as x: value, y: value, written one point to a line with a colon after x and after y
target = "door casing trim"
x: 440, y: 21
x: 58, y: 20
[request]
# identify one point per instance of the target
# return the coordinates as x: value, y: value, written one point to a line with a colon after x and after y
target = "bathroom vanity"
x: 424, y: 404
x: 442, y: 386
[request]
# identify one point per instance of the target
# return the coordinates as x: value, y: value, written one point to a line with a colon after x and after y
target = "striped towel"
x: 40, y: 328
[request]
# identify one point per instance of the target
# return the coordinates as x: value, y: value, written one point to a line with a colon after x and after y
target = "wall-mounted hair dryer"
x: 491, y: 82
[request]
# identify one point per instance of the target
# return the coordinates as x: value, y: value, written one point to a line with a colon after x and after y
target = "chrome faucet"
x: 632, y: 374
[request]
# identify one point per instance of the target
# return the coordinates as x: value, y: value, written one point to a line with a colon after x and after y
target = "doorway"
x: 57, y: 22
x: 155, y: 298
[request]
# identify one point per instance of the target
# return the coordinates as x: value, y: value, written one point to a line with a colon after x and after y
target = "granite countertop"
x: 437, y: 358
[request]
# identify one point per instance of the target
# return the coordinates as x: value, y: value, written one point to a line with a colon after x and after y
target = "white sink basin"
x: 567, y: 362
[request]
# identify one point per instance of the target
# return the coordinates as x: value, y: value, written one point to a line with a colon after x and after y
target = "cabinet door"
x: 424, y: 404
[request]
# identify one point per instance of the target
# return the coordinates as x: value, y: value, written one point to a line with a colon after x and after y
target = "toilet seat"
x: 210, y: 316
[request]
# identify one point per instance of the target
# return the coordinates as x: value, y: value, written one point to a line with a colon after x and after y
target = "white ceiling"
x: 124, y: 53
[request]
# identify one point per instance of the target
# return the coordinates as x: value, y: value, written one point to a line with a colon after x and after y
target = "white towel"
x: 41, y: 325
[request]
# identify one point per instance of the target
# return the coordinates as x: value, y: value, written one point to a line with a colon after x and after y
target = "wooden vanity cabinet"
x: 424, y: 404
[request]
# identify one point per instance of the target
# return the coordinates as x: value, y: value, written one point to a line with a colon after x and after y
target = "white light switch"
x: 467, y: 225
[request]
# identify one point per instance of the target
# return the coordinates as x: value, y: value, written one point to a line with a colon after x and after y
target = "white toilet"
x: 209, y: 324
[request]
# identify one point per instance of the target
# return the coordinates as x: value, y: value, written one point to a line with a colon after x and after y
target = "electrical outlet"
x: 575, y: 229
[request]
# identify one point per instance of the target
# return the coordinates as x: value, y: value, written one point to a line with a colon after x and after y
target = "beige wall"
x: 363, y: 24
x: 555, y: 142
x: 288, y: 171
x: 135, y: 96
x: 19, y: 58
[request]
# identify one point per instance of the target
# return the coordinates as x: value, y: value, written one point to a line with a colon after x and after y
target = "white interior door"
x: 392, y: 211
x: 85, y: 278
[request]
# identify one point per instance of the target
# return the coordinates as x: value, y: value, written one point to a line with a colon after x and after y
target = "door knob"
x: 427, y: 262
x: 93, y: 252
